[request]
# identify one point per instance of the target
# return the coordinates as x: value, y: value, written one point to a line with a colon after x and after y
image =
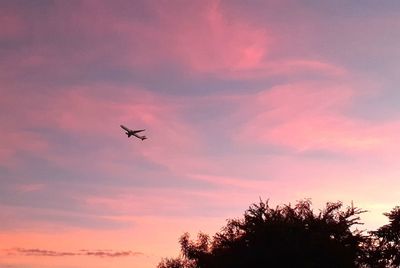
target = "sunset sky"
x: 240, y: 100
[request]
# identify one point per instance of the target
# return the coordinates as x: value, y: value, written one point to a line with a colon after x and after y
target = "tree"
x: 383, y: 249
x: 285, y: 236
x: 176, y: 263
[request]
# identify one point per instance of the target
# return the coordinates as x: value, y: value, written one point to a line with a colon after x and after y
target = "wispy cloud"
x: 316, y: 113
x: 108, y: 253
x: 39, y: 252
x: 27, y: 188
x: 83, y: 252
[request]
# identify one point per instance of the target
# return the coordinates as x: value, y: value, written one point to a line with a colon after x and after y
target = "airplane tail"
x: 143, y: 138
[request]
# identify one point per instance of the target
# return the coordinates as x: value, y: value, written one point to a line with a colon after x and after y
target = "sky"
x: 241, y: 101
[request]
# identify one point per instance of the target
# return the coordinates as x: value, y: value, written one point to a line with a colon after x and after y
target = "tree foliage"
x: 284, y: 236
x: 383, y: 249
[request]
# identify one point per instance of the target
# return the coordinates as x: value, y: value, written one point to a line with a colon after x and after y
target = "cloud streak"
x: 51, y: 253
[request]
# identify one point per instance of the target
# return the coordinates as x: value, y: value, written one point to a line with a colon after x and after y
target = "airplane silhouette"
x: 130, y: 132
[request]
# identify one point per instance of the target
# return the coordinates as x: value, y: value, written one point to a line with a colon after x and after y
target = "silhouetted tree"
x: 383, y: 249
x: 284, y: 236
x: 176, y: 263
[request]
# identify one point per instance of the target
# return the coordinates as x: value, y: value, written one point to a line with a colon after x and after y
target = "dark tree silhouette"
x: 285, y: 236
x: 383, y: 247
x: 176, y: 263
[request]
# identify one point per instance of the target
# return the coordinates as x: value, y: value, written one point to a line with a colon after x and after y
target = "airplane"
x: 130, y: 132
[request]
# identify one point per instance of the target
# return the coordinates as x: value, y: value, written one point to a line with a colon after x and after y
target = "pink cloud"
x: 311, y: 116
x: 303, y: 66
x: 232, y: 45
x: 235, y: 48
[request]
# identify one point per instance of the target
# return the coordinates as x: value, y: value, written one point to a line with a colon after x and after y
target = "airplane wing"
x: 125, y: 128
x: 137, y: 131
